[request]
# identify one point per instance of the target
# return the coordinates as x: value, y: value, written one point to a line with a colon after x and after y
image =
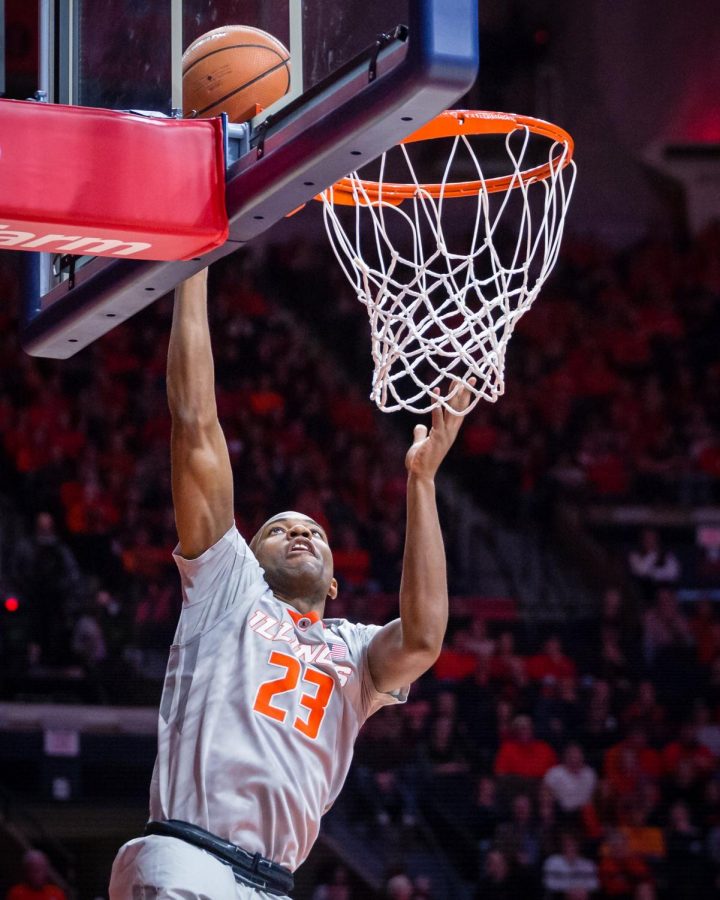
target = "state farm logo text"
x: 69, y: 243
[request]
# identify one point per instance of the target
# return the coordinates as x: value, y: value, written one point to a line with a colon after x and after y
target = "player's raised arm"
x: 201, y: 475
x: 407, y: 647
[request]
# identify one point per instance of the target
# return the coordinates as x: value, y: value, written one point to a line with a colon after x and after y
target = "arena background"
x: 581, y: 514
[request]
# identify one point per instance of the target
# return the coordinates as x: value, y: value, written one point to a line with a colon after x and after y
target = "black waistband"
x: 249, y: 868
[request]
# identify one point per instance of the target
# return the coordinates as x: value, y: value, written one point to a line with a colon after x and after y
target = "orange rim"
x: 456, y: 123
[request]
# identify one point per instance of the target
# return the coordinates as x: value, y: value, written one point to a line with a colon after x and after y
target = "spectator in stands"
x: 706, y: 633
x: 557, y: 713
x: 712, y: 849
x: 551, y: 663
x: 630, y: 762
x: 710, y: 690
x: 523, y: 755
x: 709, y: 809
x: 423, y: 887
x: 624, y: 875
x: 387, y: 557
x: 612, y: 662
x: 650, y: 799
x: 687, y: 871
x: 519, y: 838
x: 572, y: 782
x: 600, y: 727
x: 381, y: 744
x: 643, y: 838
x: 507, y: 668
x: 617, y: 611
x: 114, y: 620
x: 91, y: 512
x: 686, y: 748
x: 145, y: 557
x: 647, y: 712
x: 351, y: 559
x: 683, y: 785
x: 653, y: 565
x: 390, y: 801
x: 567, y: 875
x: 706, y: 564
x: 666, y: 633
x: 444, y: 752
x: 36, y: 883
x: 662, y: 466
x: 399, y: 887
x: 482, y: 816
x: 47, y: 574
x: 503, y: 721
x: 548, y: 819
x: 402, y: 887
x: 88, y: 640
x: 478, y: 641
x: 335, y: 885
x: 498, y: 881
x: 457, y: 662
x: 707, y: 728
x: 705, y: 453
x: 415, y: 725
x: 619, y: 614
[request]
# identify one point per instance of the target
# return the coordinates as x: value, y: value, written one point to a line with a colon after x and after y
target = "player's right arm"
x: 202, y: 485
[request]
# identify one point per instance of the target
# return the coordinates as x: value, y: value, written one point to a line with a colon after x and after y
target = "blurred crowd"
x: 568, y: 765
x: 560, y: 768
x: 84, y: 463
x: 614, y: 380
x: 613, y: 377
x: 613, y: 394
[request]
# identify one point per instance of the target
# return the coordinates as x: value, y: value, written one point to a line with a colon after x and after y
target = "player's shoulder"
x: 337, y: 624
x: 229, y: 556
x: 355, y: 634
x: 230, y: 541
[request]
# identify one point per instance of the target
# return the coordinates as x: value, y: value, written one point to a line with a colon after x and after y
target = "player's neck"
x: 303, y: 605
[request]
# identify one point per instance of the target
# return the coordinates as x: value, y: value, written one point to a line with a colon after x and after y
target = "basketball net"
x: 440, y: 317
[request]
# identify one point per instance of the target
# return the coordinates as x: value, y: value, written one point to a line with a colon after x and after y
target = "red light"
x: 541, y: 36
x: 12, y: 604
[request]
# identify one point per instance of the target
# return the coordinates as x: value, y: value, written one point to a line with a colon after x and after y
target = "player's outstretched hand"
x: 429, y: 450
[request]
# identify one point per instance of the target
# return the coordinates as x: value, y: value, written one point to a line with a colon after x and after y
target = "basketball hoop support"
x: 309, y: 145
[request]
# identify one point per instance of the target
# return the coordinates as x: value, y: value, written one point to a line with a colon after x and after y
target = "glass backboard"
x: 351, y: 96
x: 129, y: 55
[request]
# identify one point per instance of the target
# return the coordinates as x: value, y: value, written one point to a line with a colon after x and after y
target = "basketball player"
x: 263, y: 698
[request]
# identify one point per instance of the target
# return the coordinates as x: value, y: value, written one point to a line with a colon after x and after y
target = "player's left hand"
x: 429, y: 450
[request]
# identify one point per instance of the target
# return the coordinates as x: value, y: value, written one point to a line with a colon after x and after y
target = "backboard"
x: 127, y: 57
x: 351, y: 95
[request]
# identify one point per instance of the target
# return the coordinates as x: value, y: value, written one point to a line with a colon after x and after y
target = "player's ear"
x: 333, y: 590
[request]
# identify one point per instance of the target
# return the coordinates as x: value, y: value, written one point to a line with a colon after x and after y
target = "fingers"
x: 443, y: 420
x: 465, y: 394
x: 438, y: 419
x: 461, y: 396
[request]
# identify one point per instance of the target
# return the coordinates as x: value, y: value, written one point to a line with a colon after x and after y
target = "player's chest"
x: 302, y: 674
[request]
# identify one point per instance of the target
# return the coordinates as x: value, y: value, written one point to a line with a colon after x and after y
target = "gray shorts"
x: 164, y: 868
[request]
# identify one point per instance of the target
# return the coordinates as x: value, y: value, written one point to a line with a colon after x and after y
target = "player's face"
x: 295, y: 554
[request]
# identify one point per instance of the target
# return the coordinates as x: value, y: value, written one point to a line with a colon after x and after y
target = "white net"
x: 441, y: 316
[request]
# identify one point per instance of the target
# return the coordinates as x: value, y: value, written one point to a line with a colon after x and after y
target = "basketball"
x: 231, y: 69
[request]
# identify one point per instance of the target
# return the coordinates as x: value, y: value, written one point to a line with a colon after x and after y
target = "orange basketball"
x: 231, y: 69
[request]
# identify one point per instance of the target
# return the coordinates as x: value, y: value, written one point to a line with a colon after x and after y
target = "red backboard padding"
x: 98, y: 182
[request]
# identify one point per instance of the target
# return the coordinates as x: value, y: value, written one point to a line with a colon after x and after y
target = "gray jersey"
x: 260, y: 708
